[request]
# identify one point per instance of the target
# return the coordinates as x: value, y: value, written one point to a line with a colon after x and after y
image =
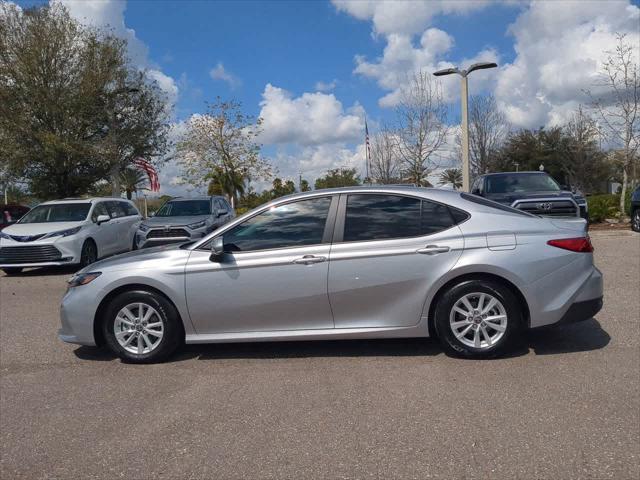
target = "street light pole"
x: 466, y: 171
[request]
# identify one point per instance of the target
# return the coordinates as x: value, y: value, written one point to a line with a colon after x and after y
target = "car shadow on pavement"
x: 46, y: 271
x: 574, y: 337
x: 579, y: 337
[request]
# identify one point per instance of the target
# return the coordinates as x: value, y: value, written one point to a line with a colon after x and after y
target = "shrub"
x: 602, y: 207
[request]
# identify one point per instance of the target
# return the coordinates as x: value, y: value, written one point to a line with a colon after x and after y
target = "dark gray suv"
x: 183, y: 220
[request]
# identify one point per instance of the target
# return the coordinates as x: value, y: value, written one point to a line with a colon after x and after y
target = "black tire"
x: 89, y: 253
x: 173, y: 335
x: 12, y: 270
x: 135, y: 244
x: 635, y: 220
x: 455, y: 347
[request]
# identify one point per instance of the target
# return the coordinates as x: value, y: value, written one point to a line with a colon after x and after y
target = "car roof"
x: 527, y: 172
x: 438, y: 194
x: 83, y: 200
x: 186, y: 199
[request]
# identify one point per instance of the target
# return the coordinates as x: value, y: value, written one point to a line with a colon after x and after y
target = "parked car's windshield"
x: 531, y: 182
x: 61, y: 212
x: 185, y: 208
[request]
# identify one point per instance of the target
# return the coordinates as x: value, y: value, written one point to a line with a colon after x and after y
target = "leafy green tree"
x: 229, y: 183
x: 280, y: 188
x: 222, y: 144
x: 72, y: 111
x: 451, y: 176
x: 338, y: 177
x: 304, y: 185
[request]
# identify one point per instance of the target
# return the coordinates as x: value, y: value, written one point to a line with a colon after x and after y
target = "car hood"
x: 175, y: 221
x: 509, y: 198
x: 147, y: 258
x: 29, y: 229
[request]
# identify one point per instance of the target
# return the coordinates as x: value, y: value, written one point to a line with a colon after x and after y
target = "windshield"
x: 185, y: 208
x: 60, y: 212
x: 532, y: 182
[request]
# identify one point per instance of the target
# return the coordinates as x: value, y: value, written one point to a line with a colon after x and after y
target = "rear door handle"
x: 309, y: 260
x: 432, y: 250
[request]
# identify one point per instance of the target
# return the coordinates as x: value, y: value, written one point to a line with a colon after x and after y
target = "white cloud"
x: 310, y: 119
x: 404, y: 16
x: 109, y: 14
x: 560, y: 49
x: 401, y: 58
x: 326, y: 86
x: 220, y: 73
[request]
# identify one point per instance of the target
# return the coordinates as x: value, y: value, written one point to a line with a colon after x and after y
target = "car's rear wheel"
x: 478, y: 319
x: 635, y: 220
x: 89, y: 253
x: 142, y: 327
x: 12, y: 270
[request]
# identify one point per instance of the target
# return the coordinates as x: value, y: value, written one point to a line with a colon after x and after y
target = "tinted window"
x: 181, y: 208
x: 57, y: 212
x: 129, y: 208
x: 116, y: 210
x: 492, y: 204
x: 290, y: 225
x: 379, y: 217
x: 98, y: 210
x: 521, y: 182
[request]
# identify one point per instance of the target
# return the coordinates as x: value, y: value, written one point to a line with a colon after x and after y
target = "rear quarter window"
x: 492, y: 204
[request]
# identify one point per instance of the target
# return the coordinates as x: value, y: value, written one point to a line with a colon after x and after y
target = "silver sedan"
x: 363, y: 262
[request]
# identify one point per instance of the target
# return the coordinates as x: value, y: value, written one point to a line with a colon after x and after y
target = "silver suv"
x: 183, y: 220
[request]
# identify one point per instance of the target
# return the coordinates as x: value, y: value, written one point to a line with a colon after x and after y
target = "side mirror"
x: 102, y: 219
x: 217, y: 249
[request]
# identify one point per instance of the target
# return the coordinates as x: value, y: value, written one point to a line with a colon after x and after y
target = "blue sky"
x: 313, y: 69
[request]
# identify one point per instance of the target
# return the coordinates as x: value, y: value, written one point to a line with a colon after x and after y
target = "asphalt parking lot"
x: 564, y: 405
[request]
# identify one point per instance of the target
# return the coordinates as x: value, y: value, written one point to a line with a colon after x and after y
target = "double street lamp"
x: 465, y: 113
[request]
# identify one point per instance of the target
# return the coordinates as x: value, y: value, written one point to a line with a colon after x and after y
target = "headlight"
x: 143, y: 227
x: 201, y: 224
x: 4, y: 235
x: 82, y: 279
x: 63, y: 233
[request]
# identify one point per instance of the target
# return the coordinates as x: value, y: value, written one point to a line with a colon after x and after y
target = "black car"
x: 635, y: 210
x: 533, y: 192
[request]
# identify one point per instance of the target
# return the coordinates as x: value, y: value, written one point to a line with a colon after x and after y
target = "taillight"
x: 581, y: 244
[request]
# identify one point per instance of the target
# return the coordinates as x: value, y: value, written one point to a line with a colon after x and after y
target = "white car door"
x: 130, y: 223
x: 104, y: 234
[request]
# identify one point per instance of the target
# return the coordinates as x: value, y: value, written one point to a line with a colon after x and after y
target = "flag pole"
x: 366, y: 151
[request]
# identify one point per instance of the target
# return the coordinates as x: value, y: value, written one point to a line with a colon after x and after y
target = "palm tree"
x: 229, y: 183
x: 132, y: 180
x: 451, y: 176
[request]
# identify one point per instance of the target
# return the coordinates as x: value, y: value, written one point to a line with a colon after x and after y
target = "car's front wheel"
x: 142, y: 327
x: 478, y: 319
x: 635, y: 220
x: 89, y: 253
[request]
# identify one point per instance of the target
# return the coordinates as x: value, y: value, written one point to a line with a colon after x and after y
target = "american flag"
x: 150, y: 170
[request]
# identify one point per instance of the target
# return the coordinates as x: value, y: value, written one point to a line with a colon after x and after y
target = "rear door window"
x: 116, y: 210
x: 129, y: 208
x: 383, y: 217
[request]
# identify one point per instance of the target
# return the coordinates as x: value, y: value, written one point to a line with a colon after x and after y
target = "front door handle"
x: 432, y: 250
x: 309, y: 260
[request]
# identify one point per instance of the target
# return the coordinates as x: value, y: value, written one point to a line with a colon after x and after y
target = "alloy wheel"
x: 636, y: 220
x: 478, y: 320
x: 138, y: 328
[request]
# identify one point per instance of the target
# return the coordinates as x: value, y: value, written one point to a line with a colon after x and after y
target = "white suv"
x: 69, y: 232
